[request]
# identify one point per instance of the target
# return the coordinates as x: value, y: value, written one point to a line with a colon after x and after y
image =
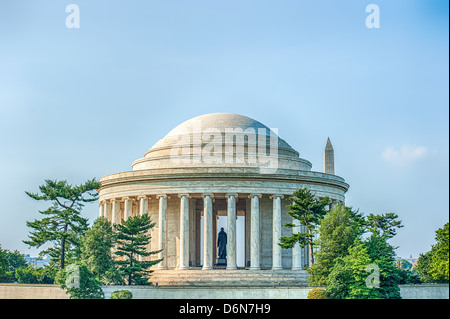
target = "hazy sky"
x: 86, y: 102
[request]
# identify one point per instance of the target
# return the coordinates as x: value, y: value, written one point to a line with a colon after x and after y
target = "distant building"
x: 35, y: 262
x: 412, y: 260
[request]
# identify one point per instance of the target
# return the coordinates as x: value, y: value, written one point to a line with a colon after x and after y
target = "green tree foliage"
x: 433, y: 266
x: 407, y: 272
x: 384, y: 225
x: 317, y: 293
x: 95, y: 251
x: 309, y: 212
x: 121, y: 294
x: 9, y: 262
x: 423, y: 266
x: 62, y: 224
x: 347, y: 279
x: 382, y: 254
x: 338, y: 231
x: 30, y: 275
x: 343, y: 255
x: 133, y: 237
x: 16, y: 259
x: 5, y: 272
x: 79, y: 282
x: 439, y: 261
x: 404, y: 264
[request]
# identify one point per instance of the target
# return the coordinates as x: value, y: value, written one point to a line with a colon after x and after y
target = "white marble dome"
x: 214, y: 130
x: 220, y: 122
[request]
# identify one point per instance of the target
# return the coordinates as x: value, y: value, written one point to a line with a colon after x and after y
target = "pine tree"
x: 133, y: 237
x: 309, y: 211
x: 383, y: 225
x: 62, y: 225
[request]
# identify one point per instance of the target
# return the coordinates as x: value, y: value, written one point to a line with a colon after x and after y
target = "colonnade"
x: 110, y: 210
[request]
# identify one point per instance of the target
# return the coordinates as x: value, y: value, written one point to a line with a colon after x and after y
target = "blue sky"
x: 87, y: 102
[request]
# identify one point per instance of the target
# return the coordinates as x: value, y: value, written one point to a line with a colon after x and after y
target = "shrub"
x: 317, y: 293
x: 121, y: 294
x: 30, y: 275
x: 26, y: 275
x: 79, y: 282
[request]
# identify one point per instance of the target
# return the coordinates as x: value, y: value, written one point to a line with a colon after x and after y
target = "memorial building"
x: 215, y: 171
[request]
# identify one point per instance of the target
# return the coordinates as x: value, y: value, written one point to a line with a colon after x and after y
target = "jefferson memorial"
x: 215, y: 171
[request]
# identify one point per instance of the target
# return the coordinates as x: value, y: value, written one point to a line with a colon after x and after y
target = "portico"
x: 208, y: 207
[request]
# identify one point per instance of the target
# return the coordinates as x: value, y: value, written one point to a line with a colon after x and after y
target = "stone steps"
x: 229, y: 278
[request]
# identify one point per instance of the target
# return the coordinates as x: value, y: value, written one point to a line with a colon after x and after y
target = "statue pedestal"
x: 221, y: 262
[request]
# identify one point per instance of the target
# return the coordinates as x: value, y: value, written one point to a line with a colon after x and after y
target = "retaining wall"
x: 425, y: 291
x: 29, y: 291
x: 25, y: 291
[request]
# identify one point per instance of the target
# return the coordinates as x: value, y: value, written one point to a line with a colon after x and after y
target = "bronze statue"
x: 222, y: 244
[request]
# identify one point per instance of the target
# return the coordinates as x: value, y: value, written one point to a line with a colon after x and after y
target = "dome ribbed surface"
x: 218, y: 122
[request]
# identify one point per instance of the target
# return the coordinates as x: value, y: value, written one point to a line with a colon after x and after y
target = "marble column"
x: 143, y: 204
x: 207, y: 231
x: 333, y: 203
x: 296, y: 250
x: 126, y: 208
x: 115, y: 212
x: 100, y: 209
x: 276, y: 232
x: 255, y: 238
x: 107, y: 210
x: 305, y: 250
x: 184, y: 231
x: 162, y: 231
x: 231, y: 229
